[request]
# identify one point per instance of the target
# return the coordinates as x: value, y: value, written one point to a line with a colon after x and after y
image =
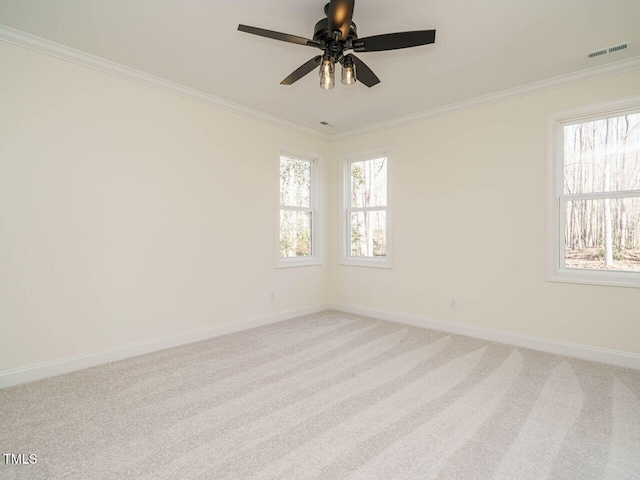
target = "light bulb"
x: 327, y: 74
x: 348, y: 72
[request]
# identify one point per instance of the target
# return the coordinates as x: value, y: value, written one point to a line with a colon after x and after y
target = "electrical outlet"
x: 273, y: 296
x: 453, y: 303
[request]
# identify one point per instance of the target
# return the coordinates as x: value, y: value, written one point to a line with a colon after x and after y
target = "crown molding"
x: 32, y: 42
x: 609, y: 69
x: 23, y: 39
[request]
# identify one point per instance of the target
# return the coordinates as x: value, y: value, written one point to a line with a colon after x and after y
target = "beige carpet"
x: 329, y: 396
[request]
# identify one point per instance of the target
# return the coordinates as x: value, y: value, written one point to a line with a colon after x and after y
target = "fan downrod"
x: 325, y: 37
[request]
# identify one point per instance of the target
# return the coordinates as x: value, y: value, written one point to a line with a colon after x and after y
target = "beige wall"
x: 469, y: 210
x: 127, y: 213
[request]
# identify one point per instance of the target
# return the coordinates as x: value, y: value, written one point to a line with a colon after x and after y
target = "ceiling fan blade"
x: 394, y: 41
x: 339, y: 15
x: 364, y: 73
x: 284, y: 37
x: 302, y: 71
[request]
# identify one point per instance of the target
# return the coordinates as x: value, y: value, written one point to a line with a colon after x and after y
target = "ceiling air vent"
x: 604, y: 51
x: 597, y: 53
x: 617, y: 48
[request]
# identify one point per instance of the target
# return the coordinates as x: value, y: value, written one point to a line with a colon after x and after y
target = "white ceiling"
x: 481, y: 47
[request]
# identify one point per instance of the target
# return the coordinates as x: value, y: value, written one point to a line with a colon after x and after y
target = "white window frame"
x: 314, y: 207
x: 345, y: 208
x: 556, y: 272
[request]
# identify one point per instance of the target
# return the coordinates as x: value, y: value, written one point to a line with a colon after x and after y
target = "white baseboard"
x: 584, y: 352
x: 50, y: 369
x: 58, y: 367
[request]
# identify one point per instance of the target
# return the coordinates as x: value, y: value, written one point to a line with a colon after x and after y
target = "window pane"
x: 295, y: 182
x: 369, y: 183
x: 603, y: 234
x: 368, y: 234
x: 295, y: 233
x: 602, y: 155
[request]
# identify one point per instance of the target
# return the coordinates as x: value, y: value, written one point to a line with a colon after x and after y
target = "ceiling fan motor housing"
x: 323, y: 35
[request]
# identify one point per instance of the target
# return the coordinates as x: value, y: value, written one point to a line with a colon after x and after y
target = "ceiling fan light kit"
x: 335, y: 35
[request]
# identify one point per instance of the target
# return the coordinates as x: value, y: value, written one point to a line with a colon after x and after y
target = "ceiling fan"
x: 336, y: 34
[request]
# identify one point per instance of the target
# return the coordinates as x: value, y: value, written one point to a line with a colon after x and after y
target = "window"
x: 365, y: 221
x: 594, y: 199
x: 297, y: 211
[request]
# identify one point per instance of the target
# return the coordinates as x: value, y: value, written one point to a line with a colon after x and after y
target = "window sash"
x: 312, y: 220
x: 366, y: 209
x: 373, y: 179
x: 562, y: 240
x: 297, y: 209
x: 350, y: 233
x: 601, y: 195
x: 312, y: 185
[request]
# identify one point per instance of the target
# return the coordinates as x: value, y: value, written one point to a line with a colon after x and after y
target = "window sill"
x: 599, y: 277
x: 298, y: 262
x: 366, y: 262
